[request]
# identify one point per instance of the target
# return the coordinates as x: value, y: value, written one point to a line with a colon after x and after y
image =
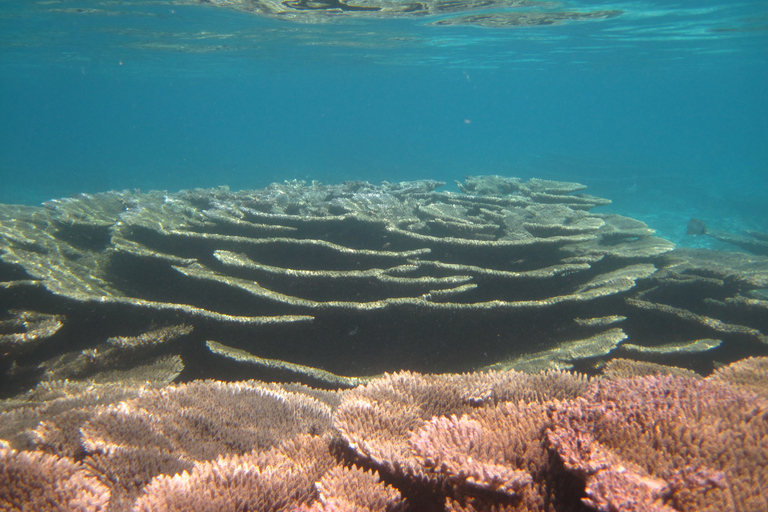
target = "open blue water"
x: 663, y: 109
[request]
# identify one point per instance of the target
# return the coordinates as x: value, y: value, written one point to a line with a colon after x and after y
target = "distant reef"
x: 479, y: 13
x: 484, y: 13
x: 330, y: 285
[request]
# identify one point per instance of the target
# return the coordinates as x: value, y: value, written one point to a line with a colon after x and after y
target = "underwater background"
x: 659, y: 106
x: 384, y: 255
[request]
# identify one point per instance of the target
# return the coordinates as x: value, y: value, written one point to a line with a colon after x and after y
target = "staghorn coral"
x: 42, y: 482
x: 60, y: 433
x: 160, y: 431
x: 128, y: 435
x: 181, y: 418
x: 495, y: 459
x: 666, y: 441
x: 611, y: 482
x: 409, y: 426
x: 457, y: 442
x: 377, y: 419
x: 277, y: 480
x: 750, y: 374
x: 49, y: 416
x: 344, y: 489
x: 460, y: 449
x: 127, y: 470
x: 655, y: 441
x: 478, y: 505
x: 165, y: 431
x: 620, y: 368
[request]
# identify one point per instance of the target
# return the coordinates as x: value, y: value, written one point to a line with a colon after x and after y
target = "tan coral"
x: 338, y: 264
x: 152, y: 337
x: 620, y: 368
x: 478, y: 450
x: 203, y: 419
x: 278, y: 480
x: 750, y: 373
x: 378, y: 420
x: 703, y: 440
x: 40, y: 482
x: 344, y: 489
x: 292, y: 371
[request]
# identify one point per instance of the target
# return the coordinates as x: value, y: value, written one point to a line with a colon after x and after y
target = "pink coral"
x: 656, y: 441
x: 41, y: 482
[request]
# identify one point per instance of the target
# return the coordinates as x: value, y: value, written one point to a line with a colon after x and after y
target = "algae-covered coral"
x: 320, y: 283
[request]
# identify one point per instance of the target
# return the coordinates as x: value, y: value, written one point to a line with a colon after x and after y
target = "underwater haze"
x: 660, y: 106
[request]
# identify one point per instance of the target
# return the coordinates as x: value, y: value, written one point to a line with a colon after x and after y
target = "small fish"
x: 696, y: 227
x: 755, y: 242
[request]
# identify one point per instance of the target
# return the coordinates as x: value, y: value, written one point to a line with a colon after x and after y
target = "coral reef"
x: 332, y: 284
x: 506, y: 13
x: 276, y: 480
x: 525, y: 19
x: 133, y: 326
x: 753, y: 241
x: 496, y: 441
x: 35, y: 328
x: 666, y: 442
x: 40, y: 482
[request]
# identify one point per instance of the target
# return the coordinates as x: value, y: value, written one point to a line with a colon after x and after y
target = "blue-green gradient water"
x: 663, y: 108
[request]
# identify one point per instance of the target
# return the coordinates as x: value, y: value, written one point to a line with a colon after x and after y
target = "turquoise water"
x: 661, y: 108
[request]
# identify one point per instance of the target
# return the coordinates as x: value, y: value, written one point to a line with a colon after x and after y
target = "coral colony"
x: 308, y: 348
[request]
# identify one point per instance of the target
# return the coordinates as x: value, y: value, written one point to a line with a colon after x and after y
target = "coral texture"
x: 667, y: 442
x: 331, y: 284
x: 40, y: 482
x: 277, y: 480
x: 344, y: 489
x: 406, y: 442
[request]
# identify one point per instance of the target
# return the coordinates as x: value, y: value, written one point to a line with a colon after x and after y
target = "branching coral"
x: 465, y: 435
x: 345, y: 489
x: 377, y: 419
x: 277, y: 480
x: 750, y: 374
x: 405, y: 442
x: 202, y: 420
x: 666, y: 441
x: 40, y: 482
